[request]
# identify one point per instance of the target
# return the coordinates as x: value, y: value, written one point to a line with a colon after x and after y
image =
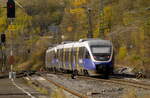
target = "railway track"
x: 77, y: 94
x: 132, y: 83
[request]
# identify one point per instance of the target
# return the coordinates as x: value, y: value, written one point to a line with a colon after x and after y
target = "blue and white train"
x: 85, y: 57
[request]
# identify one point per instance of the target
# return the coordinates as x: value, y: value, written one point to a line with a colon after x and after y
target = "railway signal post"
x: 11, y: 16
x: 11, y: 57
x: 11, y: 9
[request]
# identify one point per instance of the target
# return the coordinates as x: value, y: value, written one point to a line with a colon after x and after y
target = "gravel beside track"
x: 9, y: 90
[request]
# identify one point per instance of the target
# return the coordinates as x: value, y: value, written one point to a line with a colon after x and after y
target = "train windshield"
x: 101, y: 53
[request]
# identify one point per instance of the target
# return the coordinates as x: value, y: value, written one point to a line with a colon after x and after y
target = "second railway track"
x: 122, y: 82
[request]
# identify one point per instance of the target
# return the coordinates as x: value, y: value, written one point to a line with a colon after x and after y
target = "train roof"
x: 99, y: 42
x: 83, y: 42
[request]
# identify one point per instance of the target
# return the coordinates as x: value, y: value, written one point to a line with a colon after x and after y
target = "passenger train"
x: 84, y: 57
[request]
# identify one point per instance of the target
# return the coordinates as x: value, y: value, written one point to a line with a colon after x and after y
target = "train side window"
x: 49, y: 57
x: 61, y: 56
x: 66, y: 55
x: 87, y: 55
x: 54, y: 56
x: 81, y: 52
x: 69, y: 56
x: 74, y: 55
x: 77, y: 54
x: 58, y: 55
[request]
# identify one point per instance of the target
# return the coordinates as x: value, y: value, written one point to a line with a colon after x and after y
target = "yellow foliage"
x: 131, y: 94
x: 142, y: 35
x: 122, y: 52
x: 96, y: 32
x: 77, y: 11
x: 78, y: 2
x: 69, y: 29
x: 107, y: 31
x: 127, y: 19
x: 108, y: 12
x: 2, y: 20
x: 135, y: 37
x: 58, y: 93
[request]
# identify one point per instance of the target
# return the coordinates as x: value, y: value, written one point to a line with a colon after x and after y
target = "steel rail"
x: 134, y: 83
x: 64, y: 88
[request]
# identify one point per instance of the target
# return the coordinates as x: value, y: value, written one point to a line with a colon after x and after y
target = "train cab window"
x: 101, y: 53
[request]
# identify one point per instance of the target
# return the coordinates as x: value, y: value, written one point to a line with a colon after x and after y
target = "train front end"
x: 102, y: 56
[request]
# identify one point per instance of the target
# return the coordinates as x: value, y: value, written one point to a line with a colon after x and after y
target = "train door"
x: 61, y: 58
x: 64, y: 63
x: 70, y: 63
x: 81, y: 54
x: 74, y: 58
x: 67, y: 58
x: 77, y: 58
x: 54, y: 59
x: 48, y: 59
x: 87, y: 60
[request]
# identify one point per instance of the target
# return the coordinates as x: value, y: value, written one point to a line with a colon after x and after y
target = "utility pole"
x: 90, y: 30
x: 101, y: 20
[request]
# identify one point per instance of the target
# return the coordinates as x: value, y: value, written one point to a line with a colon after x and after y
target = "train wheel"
x: 74, y: 74
x: 86, y: 73
x: 106, y: 76
x: 81, y: 72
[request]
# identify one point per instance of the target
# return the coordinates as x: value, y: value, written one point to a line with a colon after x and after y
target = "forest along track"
x: 63, y: 87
